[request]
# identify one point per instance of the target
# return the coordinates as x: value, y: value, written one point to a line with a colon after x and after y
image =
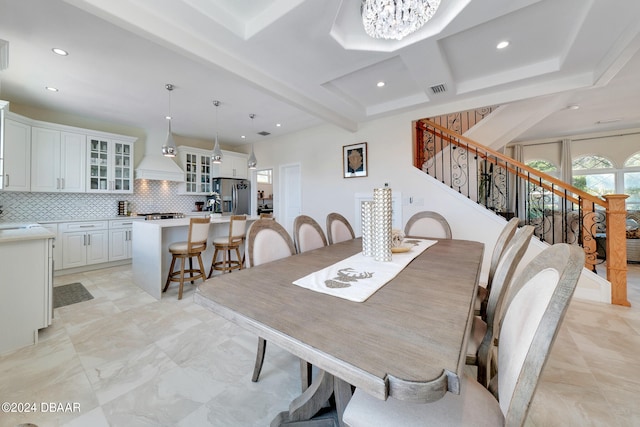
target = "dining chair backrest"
x: 198, y: 234
x: 267, y: 241
x: 307, y: 234
x: 504, y: 274
x: 237, y: 228
x: 537, y: 302
x: 428, y: 224
x: 507, y: 233
x: 338, y: 229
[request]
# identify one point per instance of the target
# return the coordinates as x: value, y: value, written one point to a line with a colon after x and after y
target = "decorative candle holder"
x: 382, y: 223
x: 366, y: 209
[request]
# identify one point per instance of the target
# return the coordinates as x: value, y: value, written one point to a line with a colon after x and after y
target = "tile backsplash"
x: 148, y: 196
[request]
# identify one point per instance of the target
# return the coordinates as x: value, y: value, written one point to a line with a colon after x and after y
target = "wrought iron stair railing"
x: 558, y: 211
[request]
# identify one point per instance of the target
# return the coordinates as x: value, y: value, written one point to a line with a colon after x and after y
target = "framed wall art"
x: 354, y: 160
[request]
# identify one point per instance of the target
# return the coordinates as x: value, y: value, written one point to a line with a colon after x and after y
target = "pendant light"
x: 169, y: 147
x: 252, y: 162
x: 216, y: 154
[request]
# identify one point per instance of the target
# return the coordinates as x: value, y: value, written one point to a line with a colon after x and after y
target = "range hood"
x: 158, y: 167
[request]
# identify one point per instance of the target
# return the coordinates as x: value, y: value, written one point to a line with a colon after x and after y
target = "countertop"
x: 180, y: 222
x: 11, y: 232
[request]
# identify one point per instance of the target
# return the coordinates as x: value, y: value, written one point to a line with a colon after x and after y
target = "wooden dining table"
x: 407, y: 341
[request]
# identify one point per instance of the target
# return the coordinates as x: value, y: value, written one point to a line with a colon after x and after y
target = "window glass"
x: 263, y: 176
x: 632, y: 188
x: 596, y: 184
x: 632, y: 161
x: 542, y: 166
x: 591, y: 162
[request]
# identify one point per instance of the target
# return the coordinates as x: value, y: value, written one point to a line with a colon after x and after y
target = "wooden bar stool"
x: 194, y: 246
x: 226, y: 244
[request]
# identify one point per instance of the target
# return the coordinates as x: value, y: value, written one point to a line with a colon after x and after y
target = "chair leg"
x: 202, y: 270
x: 213, y: 263
x: 240, y: 261
x: 166, y: 285
x: 262, y: 346
x: 182, y: 262
x: 305, y: 374
x: 191, y: 269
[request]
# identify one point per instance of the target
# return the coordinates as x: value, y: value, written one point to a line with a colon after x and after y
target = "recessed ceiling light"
x: 59, y: 51
x: 502, y: 44
x: 243, y: 137
x: 573, y: 107
x: 51, y: 89
x: 278, y: 125
x: 380, y: 84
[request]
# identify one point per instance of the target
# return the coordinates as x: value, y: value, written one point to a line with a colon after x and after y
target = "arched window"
x: 594, y: 175
x: 632, y: 181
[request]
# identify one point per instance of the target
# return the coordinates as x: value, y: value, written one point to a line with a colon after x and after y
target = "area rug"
x: 70, y: 294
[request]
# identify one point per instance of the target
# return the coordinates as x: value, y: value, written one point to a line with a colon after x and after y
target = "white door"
x: 290, y: 196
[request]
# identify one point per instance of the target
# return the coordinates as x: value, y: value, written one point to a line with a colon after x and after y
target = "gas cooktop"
x: 158, y: 215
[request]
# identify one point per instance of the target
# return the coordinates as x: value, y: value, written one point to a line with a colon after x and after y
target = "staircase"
x: 558, y: 211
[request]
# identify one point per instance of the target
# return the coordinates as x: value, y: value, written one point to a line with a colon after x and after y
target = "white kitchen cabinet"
x: 196, y: 164
x: 25, y: 288
x: 17, y: 156
x: 120, y: 238
x: 58, y: 161
x: 234, y: 165
x: 84, y: 243
x: 109, y: 165
x: 57, y: 252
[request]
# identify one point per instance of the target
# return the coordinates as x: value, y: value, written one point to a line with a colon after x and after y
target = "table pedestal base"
x: 311, y: 401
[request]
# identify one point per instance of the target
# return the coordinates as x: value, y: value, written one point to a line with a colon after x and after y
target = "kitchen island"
x: 151, y: 256
x: 26, y: 263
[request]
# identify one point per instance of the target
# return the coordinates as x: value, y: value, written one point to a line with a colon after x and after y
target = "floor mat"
x: 70, y: 294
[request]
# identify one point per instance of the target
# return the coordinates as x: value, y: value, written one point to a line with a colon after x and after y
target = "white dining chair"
x: 268, y: 241
x: 484, y: 332
x: 505, y: 236
x: 537, y: 303
x: 307, y: 234
x: 428, y: 224
x: 338, y: 229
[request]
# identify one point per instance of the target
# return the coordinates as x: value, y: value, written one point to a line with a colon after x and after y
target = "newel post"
x: 617, y: 248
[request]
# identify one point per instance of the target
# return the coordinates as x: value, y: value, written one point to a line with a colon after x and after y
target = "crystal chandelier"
x: 395, y: 19
x: 252, y: 163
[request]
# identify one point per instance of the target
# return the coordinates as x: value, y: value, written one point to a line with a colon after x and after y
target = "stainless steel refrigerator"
x: 235, y: 196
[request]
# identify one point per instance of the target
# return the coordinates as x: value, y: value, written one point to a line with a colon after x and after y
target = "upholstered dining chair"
x: 484, y: 333
x: 428, y: 224
x: 194, y: 246
x: 536, y: 305
x: 268, y: 241
x: 307, y: 234
x: 338, y: 229
x: 505, y: 236
x: 231, y: 242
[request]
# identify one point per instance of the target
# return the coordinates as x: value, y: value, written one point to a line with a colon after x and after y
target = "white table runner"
x: 358, y: 277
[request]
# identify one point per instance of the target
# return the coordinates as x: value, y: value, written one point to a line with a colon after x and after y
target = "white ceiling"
x: 305, y: 62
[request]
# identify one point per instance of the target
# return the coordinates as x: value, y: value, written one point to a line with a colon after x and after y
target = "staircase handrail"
x: 455, y: 139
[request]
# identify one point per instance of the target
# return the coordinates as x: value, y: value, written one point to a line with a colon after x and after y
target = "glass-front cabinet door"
x: 110, y: 166
x: 191, y: 173
x: 122, y: 167
x: 205, y: 174
x: 196, y: 164
x: 98, y: 165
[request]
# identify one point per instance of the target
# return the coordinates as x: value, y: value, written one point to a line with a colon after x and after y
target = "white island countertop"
x: 151, y: 256
x: 11, y: 232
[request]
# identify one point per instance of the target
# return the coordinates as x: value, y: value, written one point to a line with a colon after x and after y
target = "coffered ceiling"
x: 299, y: 63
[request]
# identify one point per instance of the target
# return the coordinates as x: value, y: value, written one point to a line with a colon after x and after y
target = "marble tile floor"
x: 125, y: 359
